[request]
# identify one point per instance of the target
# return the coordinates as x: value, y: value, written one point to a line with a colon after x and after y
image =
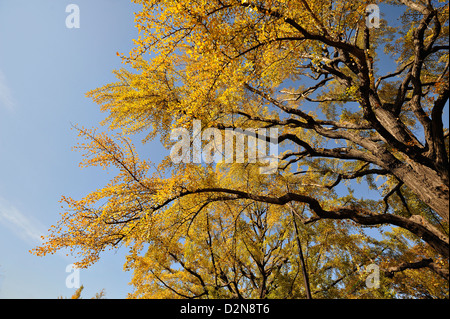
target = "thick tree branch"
x: 437, y: 146
x: 414, y: 224
x: 423, y: 263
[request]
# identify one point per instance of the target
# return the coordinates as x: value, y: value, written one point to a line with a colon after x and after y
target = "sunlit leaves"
x: 226, y: 231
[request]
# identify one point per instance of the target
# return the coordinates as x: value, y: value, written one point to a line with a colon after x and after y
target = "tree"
x: 250, y: 251
x: 77, y: 294
x: 311, y: 69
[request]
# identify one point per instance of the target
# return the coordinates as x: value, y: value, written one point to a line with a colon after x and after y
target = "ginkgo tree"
x: 315, y: 70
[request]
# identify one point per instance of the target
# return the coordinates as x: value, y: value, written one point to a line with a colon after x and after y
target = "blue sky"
x: 45, y: 71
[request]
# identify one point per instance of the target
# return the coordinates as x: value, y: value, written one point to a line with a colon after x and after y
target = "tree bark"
x: 426, y: 184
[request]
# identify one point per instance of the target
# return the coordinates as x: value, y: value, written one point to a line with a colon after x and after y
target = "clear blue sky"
x: 45, y: 71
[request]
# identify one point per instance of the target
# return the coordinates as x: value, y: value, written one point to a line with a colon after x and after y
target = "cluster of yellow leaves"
x: 108, y: 215
x: 202, y: 52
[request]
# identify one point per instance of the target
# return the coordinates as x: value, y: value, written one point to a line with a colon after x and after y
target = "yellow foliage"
x: 226, y: 231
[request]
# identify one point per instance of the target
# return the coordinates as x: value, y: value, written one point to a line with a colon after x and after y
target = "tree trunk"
x: 427, y: 185
x: 425, y: 182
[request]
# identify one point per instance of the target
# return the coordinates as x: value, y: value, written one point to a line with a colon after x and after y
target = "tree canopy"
x: 356, y: 108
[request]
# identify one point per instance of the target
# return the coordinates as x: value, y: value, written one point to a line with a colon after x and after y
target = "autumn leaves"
x: 223, y: 87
